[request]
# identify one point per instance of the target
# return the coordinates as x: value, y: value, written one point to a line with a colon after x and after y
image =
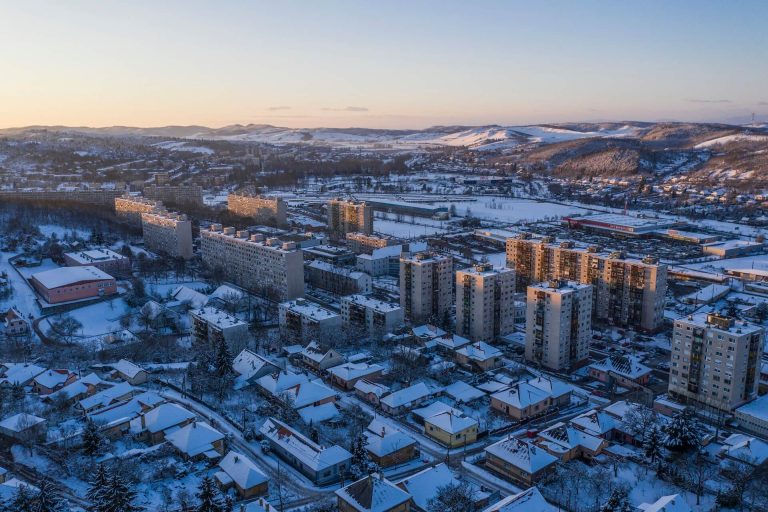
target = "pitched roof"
x: 166, y: 416
x: 463, y: 392
x: 366, y: 386
x: 349, y: 371
x: 529, y: 500
x: 52, y: 378
x: 107, y: 396
x: 554, y: 387
x: 77, y: 387
x: 195, y: 438
x: 672, y: 503
x: 522, y: 454
x: 595, y: 422
x: 21, y: 373
x: 451, y: 422
x: 626, y: 366
x: 242, y: 470
x: 407, y: 395
x: 569, y: 438
x: 127, y: 368
x: 308, y: 452
x: 20, y: 422
x: 374, y: 493
x: 521, y: 395
x: 479, y: 351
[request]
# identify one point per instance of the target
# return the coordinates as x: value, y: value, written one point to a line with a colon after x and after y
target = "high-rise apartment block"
x: 167, y: 233
x: 715, y: 361
x: 485, y: 302
x: 626, y: 291
x: 426, y: 286
x: 253, y: 262
x: 360, y: 243
x: 558, y: 324
x: 175, y: 194
x: 369, y: 315
x: 130, y: 208
x: 259, y: 207
x: 349, y: 217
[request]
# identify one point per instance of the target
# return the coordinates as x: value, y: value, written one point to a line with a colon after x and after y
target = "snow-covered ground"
x: 738, y: 137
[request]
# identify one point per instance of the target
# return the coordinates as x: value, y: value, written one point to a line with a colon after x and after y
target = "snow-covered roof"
x: 479, y: 351
x: 247, y: 364
x: 463, y: 392
x: 595, y: 422
x: 65, y: 276
x: 315, y: 414
x: 407, y: 395
x: 380, y: 306
x: 308, y: 452
x: 94, y: 256
x: 166, y: 416
x: 451, y: 422
x: 452, y: 341
x: 195, y: 438
x: 106, y: 397
x: 217, y: 317
x: 350, y: 371
x: 373, y: 493
x: 757, y: 408
x: 366, y: 386
x: 673, y: 503
x: 77, y: 387
x: 746, y: 449
x: 554, y: 387
x: 423, y: 486
x: 226, y: 292
x: 427, y: 331
x: 387, y: 440
x: 521, y: 395
x: 20, y: 422
x: 522, y: 454
x: 625, y: 365
x: 242, y: 470
x: 21, y: 373
x: 278, y: 382
x: 434, y: 409
x: 187, y: 294
x: 127, y: 368
x: 126, y: 411
x: 529, y: 500
x: 52, y: 378
x: 308, y: 309
x: 314, y: 352
x: 569, y: 438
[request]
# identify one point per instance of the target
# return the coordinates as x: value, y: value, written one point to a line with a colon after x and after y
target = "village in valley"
x: 439, y: 339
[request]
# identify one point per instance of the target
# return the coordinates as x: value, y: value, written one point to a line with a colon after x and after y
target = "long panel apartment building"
x: 262, y: 208
x: 558, y: 324
x: 167, y: 233
x: 626, y: 291
x: 302, y: 320
x: 130, y: 207
x: 349, y: 217
x: 485, y: 302
x: 372, y: 316
x: 715, y: 361
x: 175, y: 194
x: 255, y: 262
x: 426, y: 286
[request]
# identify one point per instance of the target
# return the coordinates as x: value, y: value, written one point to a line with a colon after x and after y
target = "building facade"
x: 485, y: 302
x: 260, y: 207
x: 253, y: 262
x: 349, y: 217
x: 715, y: 361
x: 558, y: 324
x: 375, y: 317
x: 361, y: 243
x: 426, y: 286
x: 103, y: 259
x: 302, y: 320
x: 626, y: 291
x: 337, y: 280
x: 175, y: 194
x: 67, y: 284
x: 130, y: 207
x: 167, y: 233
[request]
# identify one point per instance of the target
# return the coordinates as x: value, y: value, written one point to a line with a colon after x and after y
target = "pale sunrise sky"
x: 391, y: 64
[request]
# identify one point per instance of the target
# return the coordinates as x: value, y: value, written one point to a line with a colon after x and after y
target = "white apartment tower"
x: 167, y: 233
x: 349, y: 217
x: 259, y: 207
x: 558, y: 324
x: 715, y: 361
x: 485, y: 304
x: 253, y: 262
x: 426, y: 286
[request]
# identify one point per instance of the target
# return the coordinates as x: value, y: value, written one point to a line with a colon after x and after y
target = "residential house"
x: 405, y: 399
x: 566, y: 442
x: 519, y: 461
x: 521, y: 401
x: 346, y: 375
x: 115, y: 420
x: 15, y: 324
x: 529, y: 500
x: 197, y: 440
x: 131, y: 373
x: 240, y: 472
x: 479, y: 356
x: 164, y: 419
x: 79, y: 389
x: 250, y: 367
x: 744, y: 449
x: 52, y: 380
x: 623, y: 370
x: 373, y: 493
x: 108, y: 396
x: 19, y: 374
x: 448, y: 426
x: 462, y: 392
x: 560, y: 391
x: 24, y: 427
x: 672, y: 503
x: 371, y: 392
x: 387, y: 446
x: 322, y: 465
x: 596, y: 423
x: 425, y: 485
x: 320, y: 359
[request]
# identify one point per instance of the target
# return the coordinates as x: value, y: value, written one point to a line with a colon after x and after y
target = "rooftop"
x: 65, y: 276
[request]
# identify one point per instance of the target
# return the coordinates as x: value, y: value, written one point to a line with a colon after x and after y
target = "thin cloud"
x: 280, y: 107
x: 346, y: 109
x: 700, y: 100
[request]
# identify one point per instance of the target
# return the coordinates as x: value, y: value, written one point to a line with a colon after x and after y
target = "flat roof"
x: 94, y: 255
x: 64, y: 276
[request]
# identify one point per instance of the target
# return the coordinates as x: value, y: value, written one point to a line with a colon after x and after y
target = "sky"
x: 380, y: 64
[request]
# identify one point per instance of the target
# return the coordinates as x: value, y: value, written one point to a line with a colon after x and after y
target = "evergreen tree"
x: 229, y: 504
x: 682, y: 433
x: 617, y: 502
x: 453, y: 498
x: 46, y: 499
x: 209, y: 497
x: 118, y: 497
x: 223, y: 360
x: 652, y: 445
x: 92, y: 439
x: 98, y: 488
x: 22, y: 502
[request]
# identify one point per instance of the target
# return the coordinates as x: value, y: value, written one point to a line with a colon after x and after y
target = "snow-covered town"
x: 394, y: 256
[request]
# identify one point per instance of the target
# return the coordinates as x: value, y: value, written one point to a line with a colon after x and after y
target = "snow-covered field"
x: 97, y: 319
x: 184, y: 146
x: 738, y: 137
x: 405, y: 230
x: 511, y: 209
